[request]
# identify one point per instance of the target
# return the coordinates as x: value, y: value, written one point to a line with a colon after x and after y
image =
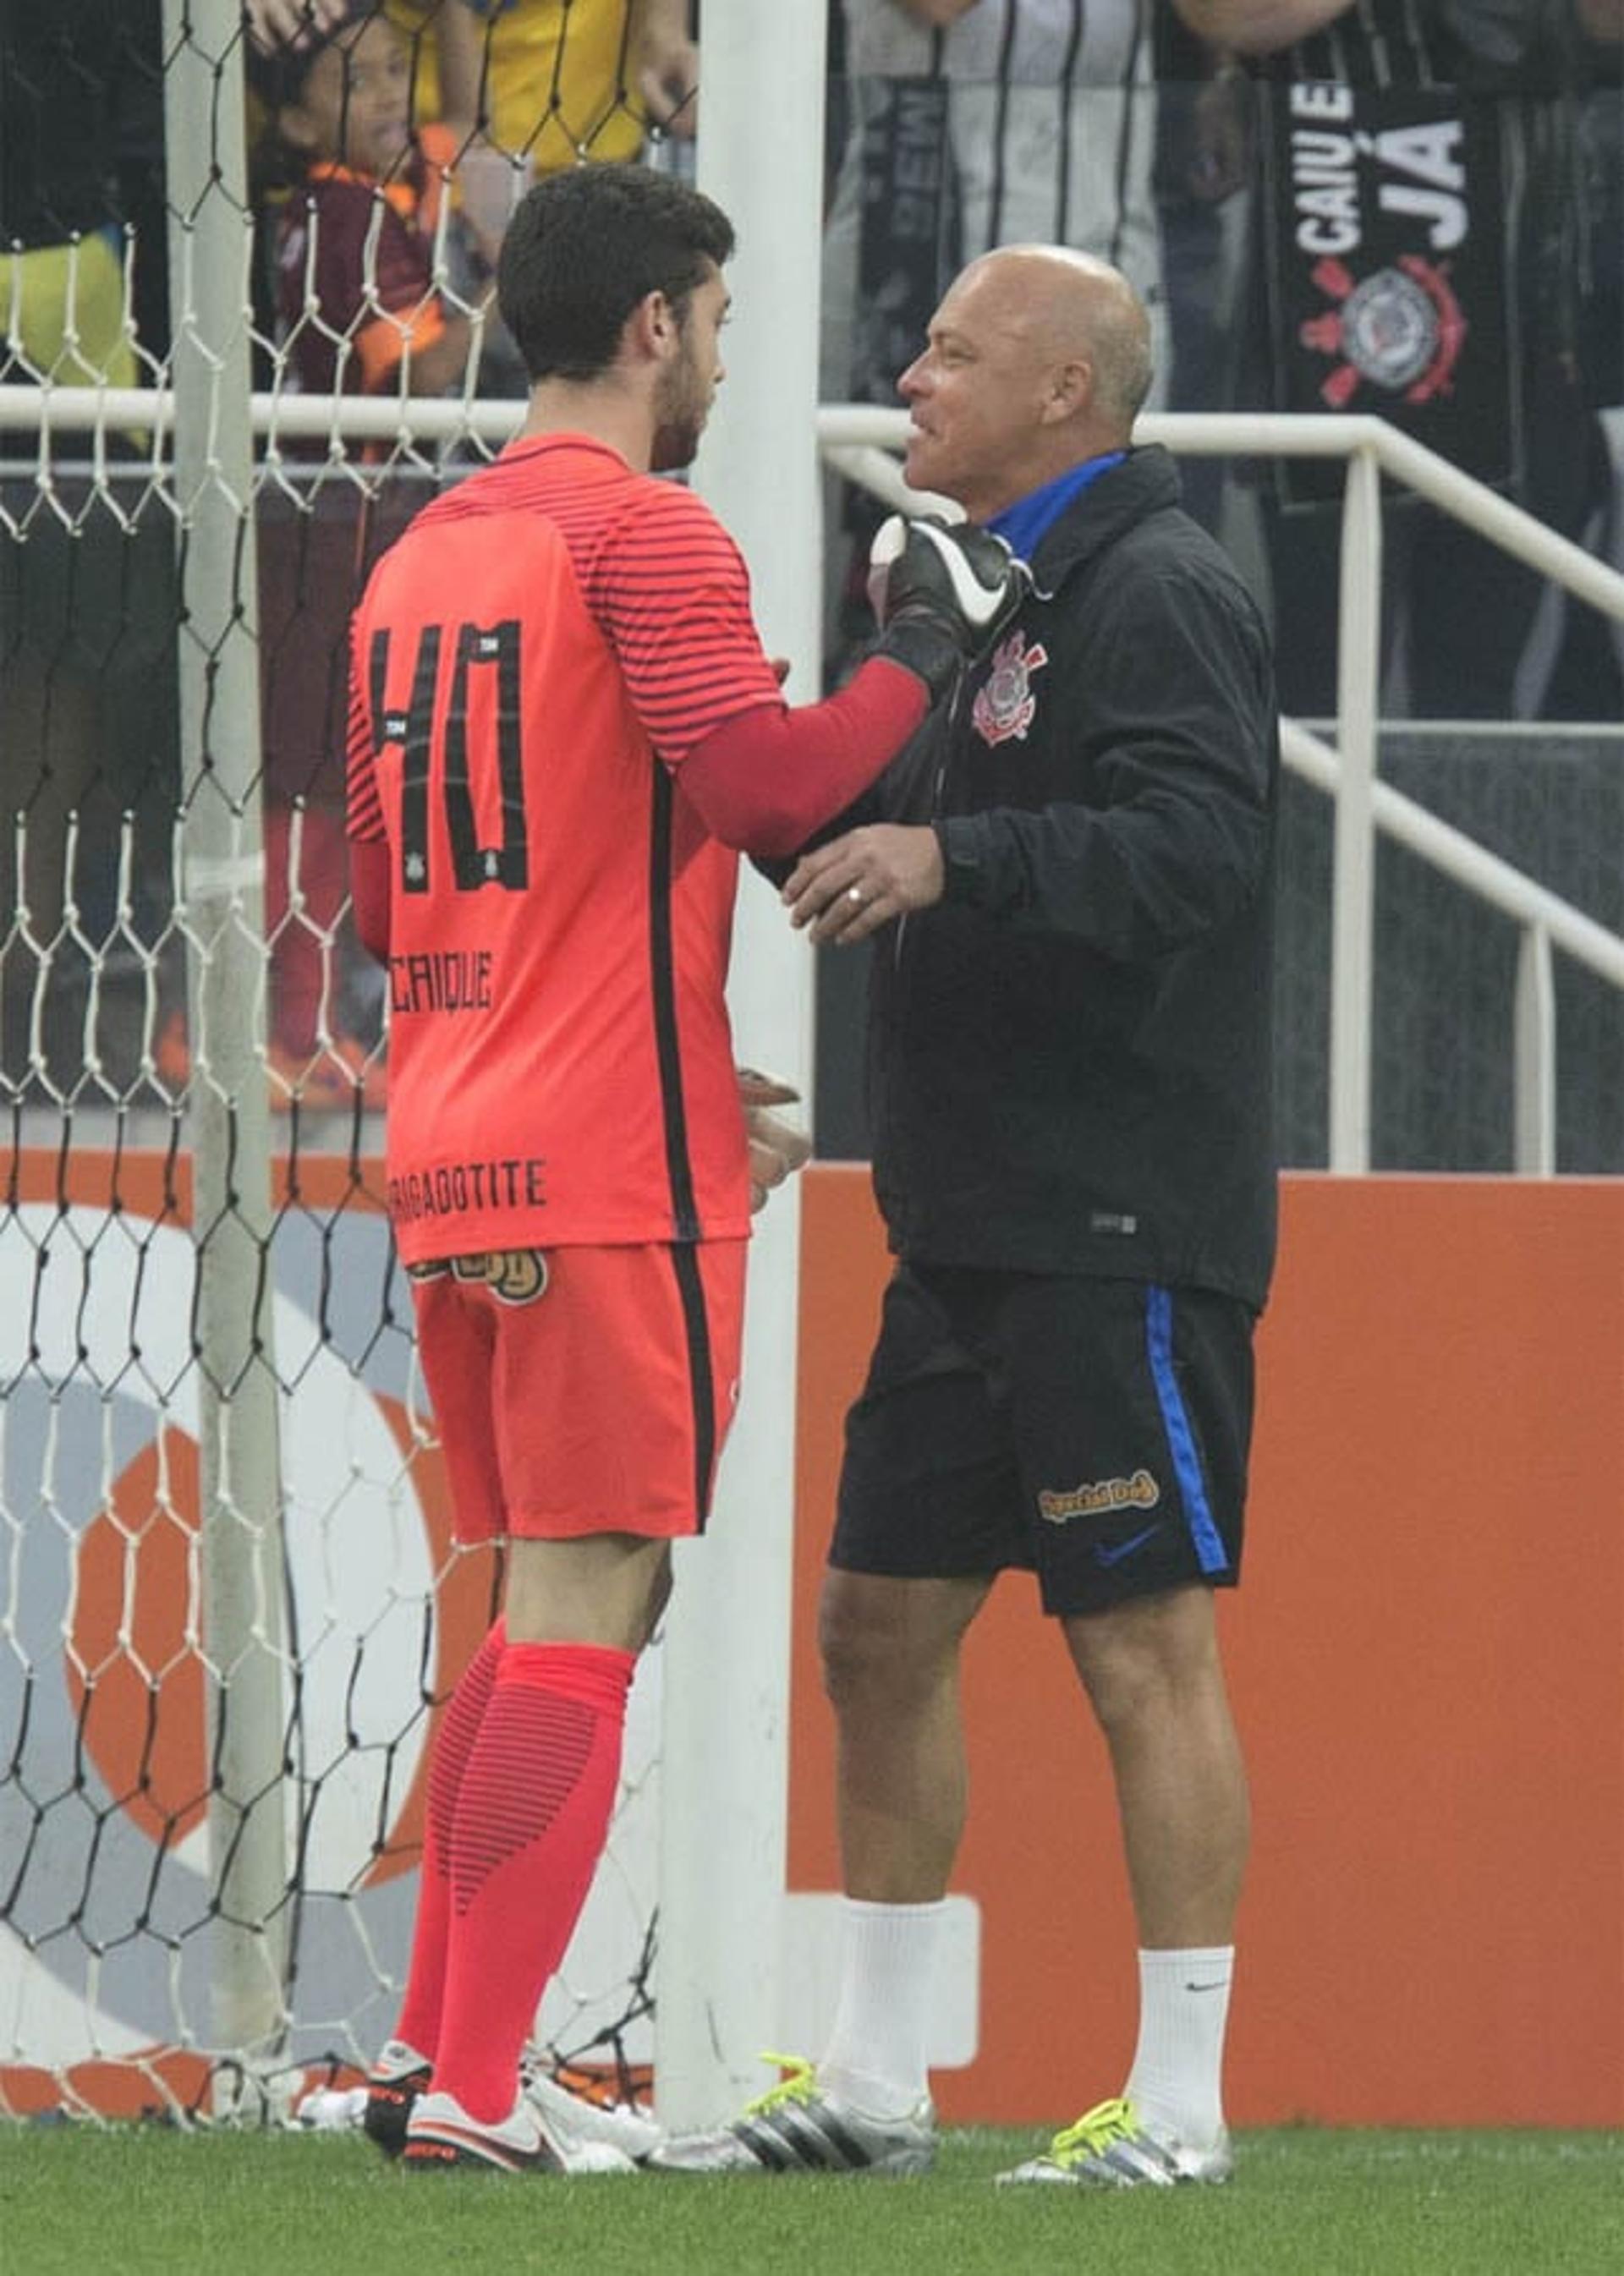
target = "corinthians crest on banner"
x: 1387, y: 272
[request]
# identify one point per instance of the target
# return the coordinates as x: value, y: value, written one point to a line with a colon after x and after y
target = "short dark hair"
x: 586, y: 245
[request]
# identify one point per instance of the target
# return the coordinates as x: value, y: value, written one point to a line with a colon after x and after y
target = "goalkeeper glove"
x: 776, y: 1148
x: 942, y: 595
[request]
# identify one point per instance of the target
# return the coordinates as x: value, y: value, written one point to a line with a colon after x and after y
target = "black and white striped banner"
x: 1389, y: 283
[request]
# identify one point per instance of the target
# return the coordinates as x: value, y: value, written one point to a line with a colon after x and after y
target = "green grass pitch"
x: 1304, y: 2202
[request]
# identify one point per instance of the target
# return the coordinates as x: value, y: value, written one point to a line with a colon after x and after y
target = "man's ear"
x: 653, y: 327
x: 1071, y: 389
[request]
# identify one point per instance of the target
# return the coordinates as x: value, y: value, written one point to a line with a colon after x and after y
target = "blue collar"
x: 1024, y: 525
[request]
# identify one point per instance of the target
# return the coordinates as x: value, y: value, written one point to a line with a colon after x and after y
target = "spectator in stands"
x: 548, y: 81
x: 515, y: 88
x: 980, y: 123
x: 1506, y: 394
x: 1203, y: 155
x: 354, y: 240
x: 548, y: 84
x: 530, y: 86
x: 87, y: 612
x: 1575, y: 661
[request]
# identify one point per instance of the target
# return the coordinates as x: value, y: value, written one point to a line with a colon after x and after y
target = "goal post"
x: 724, y: 1775
x: 228, y: 1111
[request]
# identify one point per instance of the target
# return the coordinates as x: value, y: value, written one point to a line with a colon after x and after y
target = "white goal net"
x: 230, y: 1604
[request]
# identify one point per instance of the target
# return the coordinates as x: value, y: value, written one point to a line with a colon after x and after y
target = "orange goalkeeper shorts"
x: 582, y: 1390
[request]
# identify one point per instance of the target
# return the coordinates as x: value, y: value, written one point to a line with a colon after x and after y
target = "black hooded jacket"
x: 1070, y: 1065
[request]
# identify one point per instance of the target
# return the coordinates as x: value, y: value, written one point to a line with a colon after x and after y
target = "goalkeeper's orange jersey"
x: 531, y: 663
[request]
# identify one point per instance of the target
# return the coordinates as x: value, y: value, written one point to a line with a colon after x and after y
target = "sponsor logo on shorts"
x: 516, y: 1276
x: 1060, y: 1505
x: 1117, y: 1553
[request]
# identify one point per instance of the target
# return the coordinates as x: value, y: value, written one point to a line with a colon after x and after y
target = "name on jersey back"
x: 442, y: 980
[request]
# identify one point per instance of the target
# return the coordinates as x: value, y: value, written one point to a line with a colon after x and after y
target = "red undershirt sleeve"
x: 768, y: 777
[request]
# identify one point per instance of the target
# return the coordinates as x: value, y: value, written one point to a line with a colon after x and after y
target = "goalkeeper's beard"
x: 680, y: 410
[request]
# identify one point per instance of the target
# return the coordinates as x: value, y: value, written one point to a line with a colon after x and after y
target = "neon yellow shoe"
x: 795, y: 2126
x: 1111, y: 2148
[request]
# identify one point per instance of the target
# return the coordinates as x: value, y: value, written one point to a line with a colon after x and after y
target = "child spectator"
x: 354, y: 237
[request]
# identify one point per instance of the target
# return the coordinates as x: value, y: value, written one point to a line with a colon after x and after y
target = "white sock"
x: 1176, y: 2084
x: 875, y: 2055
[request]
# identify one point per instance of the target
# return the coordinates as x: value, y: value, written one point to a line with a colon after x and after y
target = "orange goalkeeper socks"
x: 418, y: 2025
x: 532, y: 1817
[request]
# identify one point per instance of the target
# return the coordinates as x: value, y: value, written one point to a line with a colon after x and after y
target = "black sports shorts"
x: 1093, y: 1432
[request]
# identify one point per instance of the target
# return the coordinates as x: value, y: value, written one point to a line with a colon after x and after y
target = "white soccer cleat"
x: 400, y: 2078
x: 796, y: 2128
x: 443, y: 2137
x: 579, y: 2124
x: 331, y: 2109
x: 1111, y: 2148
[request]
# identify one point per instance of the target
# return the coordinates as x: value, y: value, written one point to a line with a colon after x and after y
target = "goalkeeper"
x: 563, y: 725
x: 1070, y: 1041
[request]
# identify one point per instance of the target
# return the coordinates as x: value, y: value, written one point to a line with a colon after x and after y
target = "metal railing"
x: 861, y: 441
x: 855, y: 440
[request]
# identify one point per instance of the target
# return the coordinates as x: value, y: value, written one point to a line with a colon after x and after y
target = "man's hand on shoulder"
x: 848, y: 889
x: 942, y: 594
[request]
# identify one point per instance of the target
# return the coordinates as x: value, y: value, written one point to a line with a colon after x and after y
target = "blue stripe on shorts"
x: 1180, y: 1438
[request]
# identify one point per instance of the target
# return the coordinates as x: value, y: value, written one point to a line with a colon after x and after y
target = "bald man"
x: 1071, y: 1150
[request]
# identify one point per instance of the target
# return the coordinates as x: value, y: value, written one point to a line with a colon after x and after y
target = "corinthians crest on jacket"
x: 1005, y: 705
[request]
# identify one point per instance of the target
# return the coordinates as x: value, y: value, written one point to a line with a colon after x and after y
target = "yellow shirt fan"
x: 556, y: 78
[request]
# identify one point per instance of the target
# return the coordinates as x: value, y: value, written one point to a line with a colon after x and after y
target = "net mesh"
x: 231, y: 1606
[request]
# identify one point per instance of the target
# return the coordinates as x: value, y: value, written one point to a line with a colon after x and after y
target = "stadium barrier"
x: 1427, y: 1661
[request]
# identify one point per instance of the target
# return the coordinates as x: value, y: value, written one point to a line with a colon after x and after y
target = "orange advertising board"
x: 1427, y: 1660
x: 1427, y: 1657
